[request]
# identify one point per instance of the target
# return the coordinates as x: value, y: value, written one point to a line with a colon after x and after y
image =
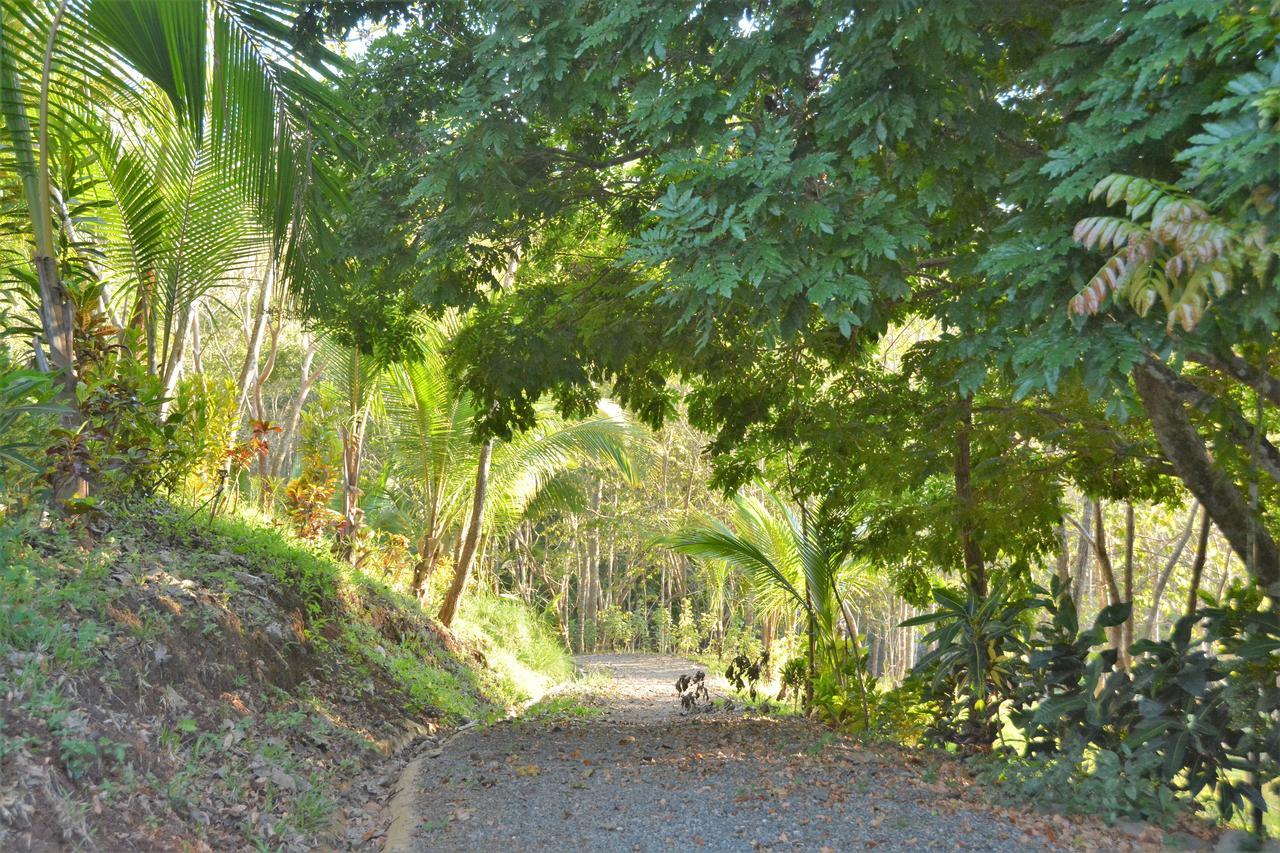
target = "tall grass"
x: 522, y: 649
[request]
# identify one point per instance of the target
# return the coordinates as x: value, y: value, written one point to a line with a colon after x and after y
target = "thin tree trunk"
x: 1163, y: 578
x: 197, y: 346
x: 449, y: 609
x: 1116, y: 634
x: 264, y: 374
x: 352, y: 435
x: 562, y: 611
x: 593, y: 561
x: 1127, y: 627
x: 174, y: 355
x: 975, y: 571
x: 255, y: 329
x: 1226, y: 575
x: 57, y: 312
x: 1197, y: 567
x: 1084, y: 549
x: 1063, y: 566
x: 285, y: 440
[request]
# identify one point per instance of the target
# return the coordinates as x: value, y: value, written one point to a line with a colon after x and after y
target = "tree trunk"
x: 352, y: 435
x: 1163, y: 578
x: 1226, y: 575
x: 1222, y: 499
x: 1197, y: 567
x: 253, y: 343
x: 174, y: 355
x: 461, y: 572
x: 1084, y: 549
x: 197, y: 346
x: 975, y: 572
x: 57, y: 312
x: 352, y: 432
x: 1115, y: 634
x: 281, y: 452
x: 1127, y: 627
x: 593, y: 560
x: 1063, y: 566
x: 423, y: 569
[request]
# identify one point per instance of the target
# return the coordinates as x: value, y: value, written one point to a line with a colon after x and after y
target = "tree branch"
x: 1242, y: 371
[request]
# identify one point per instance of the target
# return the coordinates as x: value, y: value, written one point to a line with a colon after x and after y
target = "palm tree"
x: 357, y: 378
x: 179, y: 228
x: 456, y: 493
x: 191, y: 113
x: 794, y: 561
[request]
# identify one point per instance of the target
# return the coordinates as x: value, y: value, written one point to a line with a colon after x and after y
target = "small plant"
x: 692, y: 690
x: 794, y: 677
x: 744, y: 673
x: 687, y: 637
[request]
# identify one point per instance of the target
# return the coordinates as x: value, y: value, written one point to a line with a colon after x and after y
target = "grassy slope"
x: 166, y: 682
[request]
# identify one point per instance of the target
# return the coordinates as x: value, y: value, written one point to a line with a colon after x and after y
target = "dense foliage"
x: 833, y: 342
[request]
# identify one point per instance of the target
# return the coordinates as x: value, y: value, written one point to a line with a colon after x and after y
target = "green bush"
x: 26, y: 417
x: 1194, y: 714
x: 1082, y: 780
x: 685, y: 634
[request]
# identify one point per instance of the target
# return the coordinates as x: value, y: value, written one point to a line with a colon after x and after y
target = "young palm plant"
x: 794, y: 563
x: 358, y: 379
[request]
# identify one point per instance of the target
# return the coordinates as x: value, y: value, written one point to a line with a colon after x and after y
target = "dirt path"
x: 637, y: 775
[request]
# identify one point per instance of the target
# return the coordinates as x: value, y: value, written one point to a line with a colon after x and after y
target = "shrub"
x: 1082, y: 780
x: 686, y: 635
x: 26, y: 416
x: 1192, y: 715
x: 208, y: 428
x: 127, y: 447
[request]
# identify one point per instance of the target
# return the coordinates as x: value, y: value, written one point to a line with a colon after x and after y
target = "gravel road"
x: 638, y: 775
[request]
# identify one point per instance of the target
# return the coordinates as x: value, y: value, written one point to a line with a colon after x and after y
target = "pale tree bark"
x: 255, y: 327
x: 562, y: 610
x: 1084, y: 548
x: 1162, y: 579
x: 284, y: 443
x: 352, y: 434
x: 263, y: 374
x: 593, y: 561
x: 265, y: 489
x: 174, y: 353
x: 197, y: 345
x: 462, y: 572
x: 584, y: 589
